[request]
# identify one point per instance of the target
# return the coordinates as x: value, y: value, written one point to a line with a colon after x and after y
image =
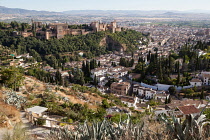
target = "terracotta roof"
x: 186, y: 110
x: 127, y: 99
x: 206, y: 75
x: 135, y: 75
x: 141, y: 105
x: 195, y: 80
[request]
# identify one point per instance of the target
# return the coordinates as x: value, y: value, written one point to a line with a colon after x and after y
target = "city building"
x: 121, y: 88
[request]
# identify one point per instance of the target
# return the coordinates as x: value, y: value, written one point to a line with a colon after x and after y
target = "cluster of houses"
x: 182, y: 108
x: 21, y: 62
x: 103, y: 74
x: 167, y: 38
x: 202, y: 79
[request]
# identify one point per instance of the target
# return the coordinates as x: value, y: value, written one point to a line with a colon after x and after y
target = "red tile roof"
x: 186, y: 110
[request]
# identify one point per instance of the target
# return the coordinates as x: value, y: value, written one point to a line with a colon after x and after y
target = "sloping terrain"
x: 9, y: 115
x: 34, y: 86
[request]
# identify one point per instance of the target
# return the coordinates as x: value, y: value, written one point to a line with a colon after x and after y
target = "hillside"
x: 9, y: 115
x: 94, y: 44
x: 34, y: 87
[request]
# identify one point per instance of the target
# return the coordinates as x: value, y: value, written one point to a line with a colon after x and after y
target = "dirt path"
x: 40, y: 132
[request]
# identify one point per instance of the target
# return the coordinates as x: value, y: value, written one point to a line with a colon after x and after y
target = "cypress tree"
x: 99, y: 63
x: 87, y: 69
x: 169, y: 99
x: 202, y: 94
x: 95, y: 82
x: 166, y: 100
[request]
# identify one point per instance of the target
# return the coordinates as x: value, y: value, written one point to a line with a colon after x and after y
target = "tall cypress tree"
x: 202, y: 94
x: 99, y: 63
x: 87, y: 69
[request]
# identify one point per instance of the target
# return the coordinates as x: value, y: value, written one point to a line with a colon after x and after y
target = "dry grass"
x: 18, y: 133
x: 8, y: 113
x: 35, y: 86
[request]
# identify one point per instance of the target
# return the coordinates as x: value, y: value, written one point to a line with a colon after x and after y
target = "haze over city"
x: 63, y: 5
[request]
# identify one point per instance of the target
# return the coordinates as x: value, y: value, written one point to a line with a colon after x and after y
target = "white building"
x: 146, y: 93
x: 150, y: 94
x: 98, y: 71
x: 206, y: 78
x: 129, y: 101
x: 196, y: 82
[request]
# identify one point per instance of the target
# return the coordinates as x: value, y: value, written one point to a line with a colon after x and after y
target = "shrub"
x: 41, y: 121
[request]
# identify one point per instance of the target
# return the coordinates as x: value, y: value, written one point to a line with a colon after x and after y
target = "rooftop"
x: 37, y: 109
x: 186, y: 110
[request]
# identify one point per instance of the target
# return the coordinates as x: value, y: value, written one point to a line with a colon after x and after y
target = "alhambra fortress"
x: 59, y: 30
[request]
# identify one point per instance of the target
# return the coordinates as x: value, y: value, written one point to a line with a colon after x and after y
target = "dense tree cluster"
x: 126, y: 62
x: 130, y: 37
x: 11, y: 77
x: 181, y: 64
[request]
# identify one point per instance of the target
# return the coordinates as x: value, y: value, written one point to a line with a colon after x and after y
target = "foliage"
x: 41, y: 121
x: 153, y: 102
x: 100, y: 130
x: 11, y: 77
x: 129, y: 37
x: 191, y: 128
x: 56, y: 52
x: 207, y: 113
x: 40, y: 74
x: 105, y: 104
x: 172, y: 90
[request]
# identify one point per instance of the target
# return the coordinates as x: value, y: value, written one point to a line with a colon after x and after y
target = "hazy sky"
x: 64, y: 5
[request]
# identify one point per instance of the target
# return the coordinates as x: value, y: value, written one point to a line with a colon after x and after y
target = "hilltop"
x: 68, y: 47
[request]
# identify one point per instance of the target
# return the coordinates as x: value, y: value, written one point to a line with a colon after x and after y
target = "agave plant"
x: 12, y: 98
x: 100, y: 131
x: 190, y: 128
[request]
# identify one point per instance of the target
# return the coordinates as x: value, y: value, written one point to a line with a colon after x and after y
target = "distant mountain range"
x: 5, y: 10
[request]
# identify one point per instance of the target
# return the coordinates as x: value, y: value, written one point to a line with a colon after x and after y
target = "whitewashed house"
x: 206, y: 78
x: 196, y: 82
x: 143, y: 92
x: 98, y: 71
x: 129, y: 101
x: 150, y: 94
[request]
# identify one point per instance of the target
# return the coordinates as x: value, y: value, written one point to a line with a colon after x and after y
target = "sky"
x: 65, y: 5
